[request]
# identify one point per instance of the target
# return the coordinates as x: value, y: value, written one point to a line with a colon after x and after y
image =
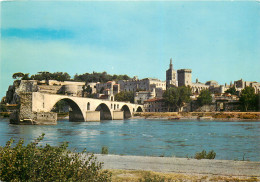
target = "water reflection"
x: 230, y: 140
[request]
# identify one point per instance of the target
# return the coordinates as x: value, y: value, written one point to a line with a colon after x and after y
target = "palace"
x: 183, y: 77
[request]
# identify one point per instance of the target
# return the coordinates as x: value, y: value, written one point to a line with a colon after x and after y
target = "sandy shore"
x: 181, y: 165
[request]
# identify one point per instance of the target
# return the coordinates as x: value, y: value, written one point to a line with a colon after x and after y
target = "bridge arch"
x: 139, y: 109
x: 75, y: 114
x: 105, y: 113
x: 127, y: 113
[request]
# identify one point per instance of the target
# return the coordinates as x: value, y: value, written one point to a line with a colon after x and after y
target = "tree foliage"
x: 18, y: 75
x: 37, y: 163
x: 204, y: 155
x: 204, y: 98
x: 26, y: 77
x: 88, y: 90
x: 248, y: 99
x: 232, y: 91
x: 177, y: 96
x: 99, y: 77
x: 45, y: 75
x: 125, y: 96
x: 257, y: 102
x: 63, y: 76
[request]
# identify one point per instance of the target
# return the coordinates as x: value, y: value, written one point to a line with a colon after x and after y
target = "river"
x: 182, y: 138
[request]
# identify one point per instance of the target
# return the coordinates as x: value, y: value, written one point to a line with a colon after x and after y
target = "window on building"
x: 88, y: 106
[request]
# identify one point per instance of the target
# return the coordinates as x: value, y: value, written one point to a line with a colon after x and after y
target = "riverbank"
x: 229, y: 116
x: 130, y: 168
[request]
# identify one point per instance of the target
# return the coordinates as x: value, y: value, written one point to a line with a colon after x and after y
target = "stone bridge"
x: 36, y: 109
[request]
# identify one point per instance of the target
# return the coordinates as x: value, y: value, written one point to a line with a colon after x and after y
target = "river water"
x: 182, y: 138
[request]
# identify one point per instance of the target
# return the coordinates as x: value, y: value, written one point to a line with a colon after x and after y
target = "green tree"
x: 125, y: 96
x: 204, y: 155
x: 26, y: 77
x: 38, y: 163
x: 232, y: 91
x: 45, y: 75
x: 18, y: 75
x: 177, y: 97
x: 247, y: 98
x: 204, y: 98
x: 99, y: 77
x: 257, y: 102
x: 60, y: 76
x: 88, y: 90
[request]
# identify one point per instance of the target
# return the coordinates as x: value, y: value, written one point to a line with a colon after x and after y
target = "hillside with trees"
x: 64, y: 76
x: 99, y: 77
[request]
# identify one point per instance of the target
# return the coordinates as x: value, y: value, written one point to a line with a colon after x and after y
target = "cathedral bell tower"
x: 171, y: 76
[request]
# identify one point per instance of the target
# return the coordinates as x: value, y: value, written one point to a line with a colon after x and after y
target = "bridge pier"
x: 75, y: 116
x: 118, y: 115
x: 92, y: 116
x: 34, y: 118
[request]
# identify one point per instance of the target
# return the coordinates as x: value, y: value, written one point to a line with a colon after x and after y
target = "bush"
x: 204, y: 155
x: 104, y: 150
x: 153, y: 178
x: 37, y: 163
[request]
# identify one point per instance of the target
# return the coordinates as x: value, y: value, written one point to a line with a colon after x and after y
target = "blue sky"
x: 217, y: 40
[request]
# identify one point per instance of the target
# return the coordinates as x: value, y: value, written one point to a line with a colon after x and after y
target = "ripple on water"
x: 146, y: 135
x: 184, y: 145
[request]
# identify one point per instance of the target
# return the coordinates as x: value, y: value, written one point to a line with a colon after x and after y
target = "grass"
x: 143, y: 176
x: 104, y: 150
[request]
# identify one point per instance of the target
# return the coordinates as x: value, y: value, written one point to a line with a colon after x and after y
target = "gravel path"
x: 181, y: 165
